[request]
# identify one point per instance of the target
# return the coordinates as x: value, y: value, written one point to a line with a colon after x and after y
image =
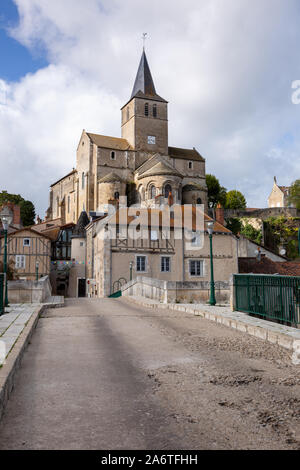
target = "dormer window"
x: 113, y: 155
x: 147, y: 109
x: 154, y: 111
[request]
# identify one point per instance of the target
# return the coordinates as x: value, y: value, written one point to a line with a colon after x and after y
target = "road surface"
x: 106, y: 374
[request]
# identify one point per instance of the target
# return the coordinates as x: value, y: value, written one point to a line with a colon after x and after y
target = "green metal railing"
x: 274, y: 298
x: 2, y: 284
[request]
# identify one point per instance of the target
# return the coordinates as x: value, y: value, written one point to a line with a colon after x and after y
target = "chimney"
x: 220, y: 214
x: 16, y: 212
x: 17, y: 215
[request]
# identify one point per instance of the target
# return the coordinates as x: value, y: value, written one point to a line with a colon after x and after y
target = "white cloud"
x: 226, y: 68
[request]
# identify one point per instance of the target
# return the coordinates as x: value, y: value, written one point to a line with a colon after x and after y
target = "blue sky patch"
x: 15, y: 60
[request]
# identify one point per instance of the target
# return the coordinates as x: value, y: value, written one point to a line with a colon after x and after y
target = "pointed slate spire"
x: 143, y: 81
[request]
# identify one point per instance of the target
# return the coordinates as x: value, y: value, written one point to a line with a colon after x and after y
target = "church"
x: 140, y: 165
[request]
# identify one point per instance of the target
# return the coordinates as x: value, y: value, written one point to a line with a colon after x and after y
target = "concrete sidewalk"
x: 16, y: 328
x: 285, y: 336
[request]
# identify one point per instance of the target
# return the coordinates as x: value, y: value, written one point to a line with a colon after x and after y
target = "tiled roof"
x: 160, y: 169
x: 185, y: 154
x: 110, y: 178
x: 61, y: 179
x: 267, y: 266
x: 114, y: 143
x: 218, y: 228
x: 284, y: 189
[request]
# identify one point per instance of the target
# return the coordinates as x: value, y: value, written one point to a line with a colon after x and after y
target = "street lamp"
x: 37, y: 270
x: 6, y: 219
x: 131, y: 268
x: 210, y: 229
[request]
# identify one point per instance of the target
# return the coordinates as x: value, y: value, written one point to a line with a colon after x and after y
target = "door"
x: 81, y: 287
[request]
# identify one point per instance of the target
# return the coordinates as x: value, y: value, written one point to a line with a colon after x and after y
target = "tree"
x: 235, y: 225
x: 294, y: 197
x: 235, y: 200
x: 27, y: 208
x: 252, y: 233
x: 27, y: 213
x: 216, y: 192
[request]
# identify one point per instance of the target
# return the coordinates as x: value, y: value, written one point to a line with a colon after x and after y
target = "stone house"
x: 279, y: 196
x: 160, y: 256
x: 26, y: 248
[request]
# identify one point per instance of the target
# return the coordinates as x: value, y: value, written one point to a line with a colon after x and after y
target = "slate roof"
x: 144, y: 85
x: 83, y: 221
x: 105, y: 141
x: 185, y: 154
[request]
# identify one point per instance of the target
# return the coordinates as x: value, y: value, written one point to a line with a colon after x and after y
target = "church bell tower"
x: 145, y: 115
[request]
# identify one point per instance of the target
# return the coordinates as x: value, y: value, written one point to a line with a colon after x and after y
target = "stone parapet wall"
x: 35, y: 292
x: 176, y: 292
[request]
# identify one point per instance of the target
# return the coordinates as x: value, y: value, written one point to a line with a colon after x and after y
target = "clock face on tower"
x: 151, y: 140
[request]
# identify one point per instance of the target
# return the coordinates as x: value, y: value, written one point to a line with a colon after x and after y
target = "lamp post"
x: 210, y: 229
x: 37, y: 271
x: 6, y: 219
x: 131, y: 268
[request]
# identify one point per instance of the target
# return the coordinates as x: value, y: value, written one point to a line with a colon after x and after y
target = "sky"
x: 226, y: 68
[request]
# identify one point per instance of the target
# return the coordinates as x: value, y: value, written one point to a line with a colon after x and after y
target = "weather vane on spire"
x: 144, y: 39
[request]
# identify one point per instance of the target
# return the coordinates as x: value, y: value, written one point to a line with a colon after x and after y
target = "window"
x: 165, y: 265
x: 168, y: 190
x: 117, y: 195
x: 196, y: 240
x: 113, y: 155
x: 152, y: 192
x: 196, y: 268
x: 154, y: 110
x: 199, y: 200
x: 191, y: 165
x: 146, y: 109
x: 26, y: 242
x: 82, y: 180
x: 151, y: 140
x: 20, y: 262
x: 141, y: 263
x: 154, y: 235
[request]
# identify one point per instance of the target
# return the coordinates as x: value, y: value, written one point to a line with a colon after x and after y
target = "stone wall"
x: 262, y: 214
x: 21, y: 292
x: 176, y: 292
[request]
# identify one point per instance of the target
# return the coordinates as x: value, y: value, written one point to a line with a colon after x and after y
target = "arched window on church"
x: 154, y: 111
x: 117, y: 195
x: 152, y: 192
x: 199, y: 200
x: 168, y: 190
x: 146, y: 109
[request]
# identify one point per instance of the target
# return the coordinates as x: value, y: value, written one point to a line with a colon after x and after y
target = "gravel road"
x: 108, y: 374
